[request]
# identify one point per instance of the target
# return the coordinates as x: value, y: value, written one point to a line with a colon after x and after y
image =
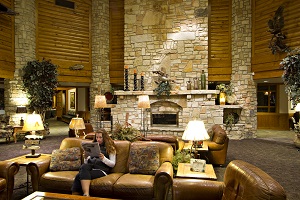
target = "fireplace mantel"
x: 173, y: 92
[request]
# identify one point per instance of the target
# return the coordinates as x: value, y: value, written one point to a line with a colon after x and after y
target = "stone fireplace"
x: 169, y: 115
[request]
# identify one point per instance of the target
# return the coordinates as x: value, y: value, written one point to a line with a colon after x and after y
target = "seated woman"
x: 95, y: 167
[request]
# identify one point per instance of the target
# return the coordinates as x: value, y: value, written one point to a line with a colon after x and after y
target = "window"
x: 266, y: 98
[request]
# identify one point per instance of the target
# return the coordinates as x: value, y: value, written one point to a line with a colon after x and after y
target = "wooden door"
x: 59, y: 104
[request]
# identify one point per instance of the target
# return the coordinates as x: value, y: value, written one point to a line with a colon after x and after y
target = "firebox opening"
x: 164, y: 119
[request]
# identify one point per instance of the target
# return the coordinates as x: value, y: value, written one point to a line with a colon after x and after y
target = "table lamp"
x: 100, y: 103
x: 77, y: 123
x: 195, y: 131
x: 21, y: 110
x: 32, y: 123
x: 143, y: 103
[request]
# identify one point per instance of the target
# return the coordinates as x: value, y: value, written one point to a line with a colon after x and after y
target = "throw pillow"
x: 65, y: 160
x: 143, y: 159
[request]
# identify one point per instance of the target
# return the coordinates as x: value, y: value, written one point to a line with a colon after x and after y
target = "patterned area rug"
x: 280, y: 160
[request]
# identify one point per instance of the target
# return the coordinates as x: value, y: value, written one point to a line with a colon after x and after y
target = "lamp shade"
x: 144, y: 101
x: 195, y: 131
x: 100, y: 101
x: 33, y: 122
x: 21, y: 109
x: 77, y: 123
x: 297, y: 108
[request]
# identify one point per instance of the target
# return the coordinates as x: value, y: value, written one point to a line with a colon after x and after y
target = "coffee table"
x: 184, y: 171
x: 48, y: 195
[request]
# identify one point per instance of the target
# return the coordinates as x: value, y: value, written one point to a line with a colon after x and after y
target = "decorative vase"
x: 222, y: 98
x: 231, y: 99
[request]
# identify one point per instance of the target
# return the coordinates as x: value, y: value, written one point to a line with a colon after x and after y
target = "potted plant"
x: 291, y: 75
x: 39, y: 82
x: 126, y: 132
x: 180, y: 157
x: 230, y: 119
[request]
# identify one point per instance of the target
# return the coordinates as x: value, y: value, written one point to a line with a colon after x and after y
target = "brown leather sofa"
x: 171, y: 139
x: 241, y: 181
x: 217, y: 146
x: 8, y: 170
x: 120, y: 183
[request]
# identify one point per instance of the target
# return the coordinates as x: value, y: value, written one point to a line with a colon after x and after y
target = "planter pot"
x: 297, y: 140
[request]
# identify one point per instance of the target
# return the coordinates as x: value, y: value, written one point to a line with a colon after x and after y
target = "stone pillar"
x: 242, y: 77
x: 100, y: 52
x: 25, y: 43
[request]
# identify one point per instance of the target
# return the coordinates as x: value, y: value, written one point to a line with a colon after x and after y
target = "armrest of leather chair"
x: 8, y: 170
x: 188, y: 188
x: 163, y: 180
x: 36, y: 170
x: 212, y: 146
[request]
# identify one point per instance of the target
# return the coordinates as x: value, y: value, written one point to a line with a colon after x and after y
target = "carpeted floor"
x: 280, y: 159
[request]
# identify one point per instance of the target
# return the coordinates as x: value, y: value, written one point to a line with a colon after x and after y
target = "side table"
x: 184, y: 171
x: 198, y: 151
x: 23, y: 161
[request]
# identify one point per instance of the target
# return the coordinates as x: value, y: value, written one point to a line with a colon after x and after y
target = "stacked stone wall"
x: 25, y: 43
x: 242, y: 77
x: 100, y: 52
x: 166, y: 34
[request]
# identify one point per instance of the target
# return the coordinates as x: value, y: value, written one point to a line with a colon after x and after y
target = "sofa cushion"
x: 219, y: 136
x: 65, y: 160
x: 143, y: 159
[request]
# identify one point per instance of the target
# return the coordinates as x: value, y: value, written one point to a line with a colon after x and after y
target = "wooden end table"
x: 48, y: 195
x: 184, y: 171
x: 23, y: 161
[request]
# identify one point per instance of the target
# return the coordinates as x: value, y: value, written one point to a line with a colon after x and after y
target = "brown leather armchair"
x: 242, y: 181
x: 217, y: 147
x: 8, y: 170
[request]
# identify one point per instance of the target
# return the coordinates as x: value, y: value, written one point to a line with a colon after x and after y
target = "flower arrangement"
x: 291, y: 74
x: 228, y: 89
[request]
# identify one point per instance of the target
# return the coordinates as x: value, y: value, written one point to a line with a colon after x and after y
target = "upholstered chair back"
x: 122, y: 148
x: 245, y: 181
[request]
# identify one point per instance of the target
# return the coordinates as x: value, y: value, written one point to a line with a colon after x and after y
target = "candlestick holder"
x: 126, y: 80
x: 142, y: 83
x: 135, y: 82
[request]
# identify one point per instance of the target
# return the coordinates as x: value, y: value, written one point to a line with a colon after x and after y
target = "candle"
x: 134, y: 71
x: 126, y: 67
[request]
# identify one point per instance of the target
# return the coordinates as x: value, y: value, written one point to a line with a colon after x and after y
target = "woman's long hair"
x: 108, y: 142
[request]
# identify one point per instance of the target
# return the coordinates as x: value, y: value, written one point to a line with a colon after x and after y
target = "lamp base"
x: 33, y: 156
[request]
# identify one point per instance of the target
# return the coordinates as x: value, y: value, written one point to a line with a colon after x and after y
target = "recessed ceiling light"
x: 266, y: 81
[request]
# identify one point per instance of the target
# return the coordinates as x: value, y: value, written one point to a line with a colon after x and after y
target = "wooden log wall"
x: 116, y: 65
x: 63, y: 35
x: 219, y: 40
x: 7, y: 42
x: 264, y: 63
